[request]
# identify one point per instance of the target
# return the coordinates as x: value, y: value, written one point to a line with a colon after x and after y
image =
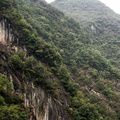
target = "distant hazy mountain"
x: 99, y: 21
x: 84, y: 10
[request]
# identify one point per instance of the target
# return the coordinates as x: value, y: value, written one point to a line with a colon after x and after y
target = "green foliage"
x: 17, y: 62
x: 34, y: 71
x: 4, y: 84
x: 5, y: 4
x: 99, y: 22
x: 48, y: 55
x: 87, y: 112
x: 10, y: 105
x: 78, y: 99
x: 12, y: 112
x: 108, y: 92
x: 63, y: 51
x: 64, y: 77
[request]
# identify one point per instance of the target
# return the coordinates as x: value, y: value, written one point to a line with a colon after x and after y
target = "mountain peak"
x: 88, y: 9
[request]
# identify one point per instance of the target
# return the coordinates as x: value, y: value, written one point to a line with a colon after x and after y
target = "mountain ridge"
x: 103, y: 28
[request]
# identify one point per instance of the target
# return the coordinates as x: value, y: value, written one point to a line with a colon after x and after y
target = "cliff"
x: 6, y: 35
x: 40, y: 103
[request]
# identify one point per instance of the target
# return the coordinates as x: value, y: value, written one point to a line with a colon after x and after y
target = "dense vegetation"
x: 11, y: 107
x: 100, y: 23
x: 89, y: 79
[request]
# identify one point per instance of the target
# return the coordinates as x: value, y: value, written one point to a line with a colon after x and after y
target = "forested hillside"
x: 54, y: 71
x: 100, y: 23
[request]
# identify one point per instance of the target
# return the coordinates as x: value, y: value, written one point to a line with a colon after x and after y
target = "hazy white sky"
x: 113, y: 4
x: 49, y: 1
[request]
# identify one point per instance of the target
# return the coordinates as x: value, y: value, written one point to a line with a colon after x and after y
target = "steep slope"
x: 32, y: 83
x: 99, y: 21
x: 24, y: 91
x: 75, y: 82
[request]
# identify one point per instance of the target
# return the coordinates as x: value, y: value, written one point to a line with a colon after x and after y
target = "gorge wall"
x: 41, y: 105
x: 6, y: 33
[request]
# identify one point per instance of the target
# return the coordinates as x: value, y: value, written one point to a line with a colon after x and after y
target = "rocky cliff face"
x: 6, y: 33
x: 41, y: 105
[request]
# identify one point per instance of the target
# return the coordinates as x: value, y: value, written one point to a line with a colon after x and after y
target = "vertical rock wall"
x: 6, y: 35
x: 42, y: 105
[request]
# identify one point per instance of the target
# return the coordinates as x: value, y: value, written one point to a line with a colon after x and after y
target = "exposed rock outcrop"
x: 6, y: 35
